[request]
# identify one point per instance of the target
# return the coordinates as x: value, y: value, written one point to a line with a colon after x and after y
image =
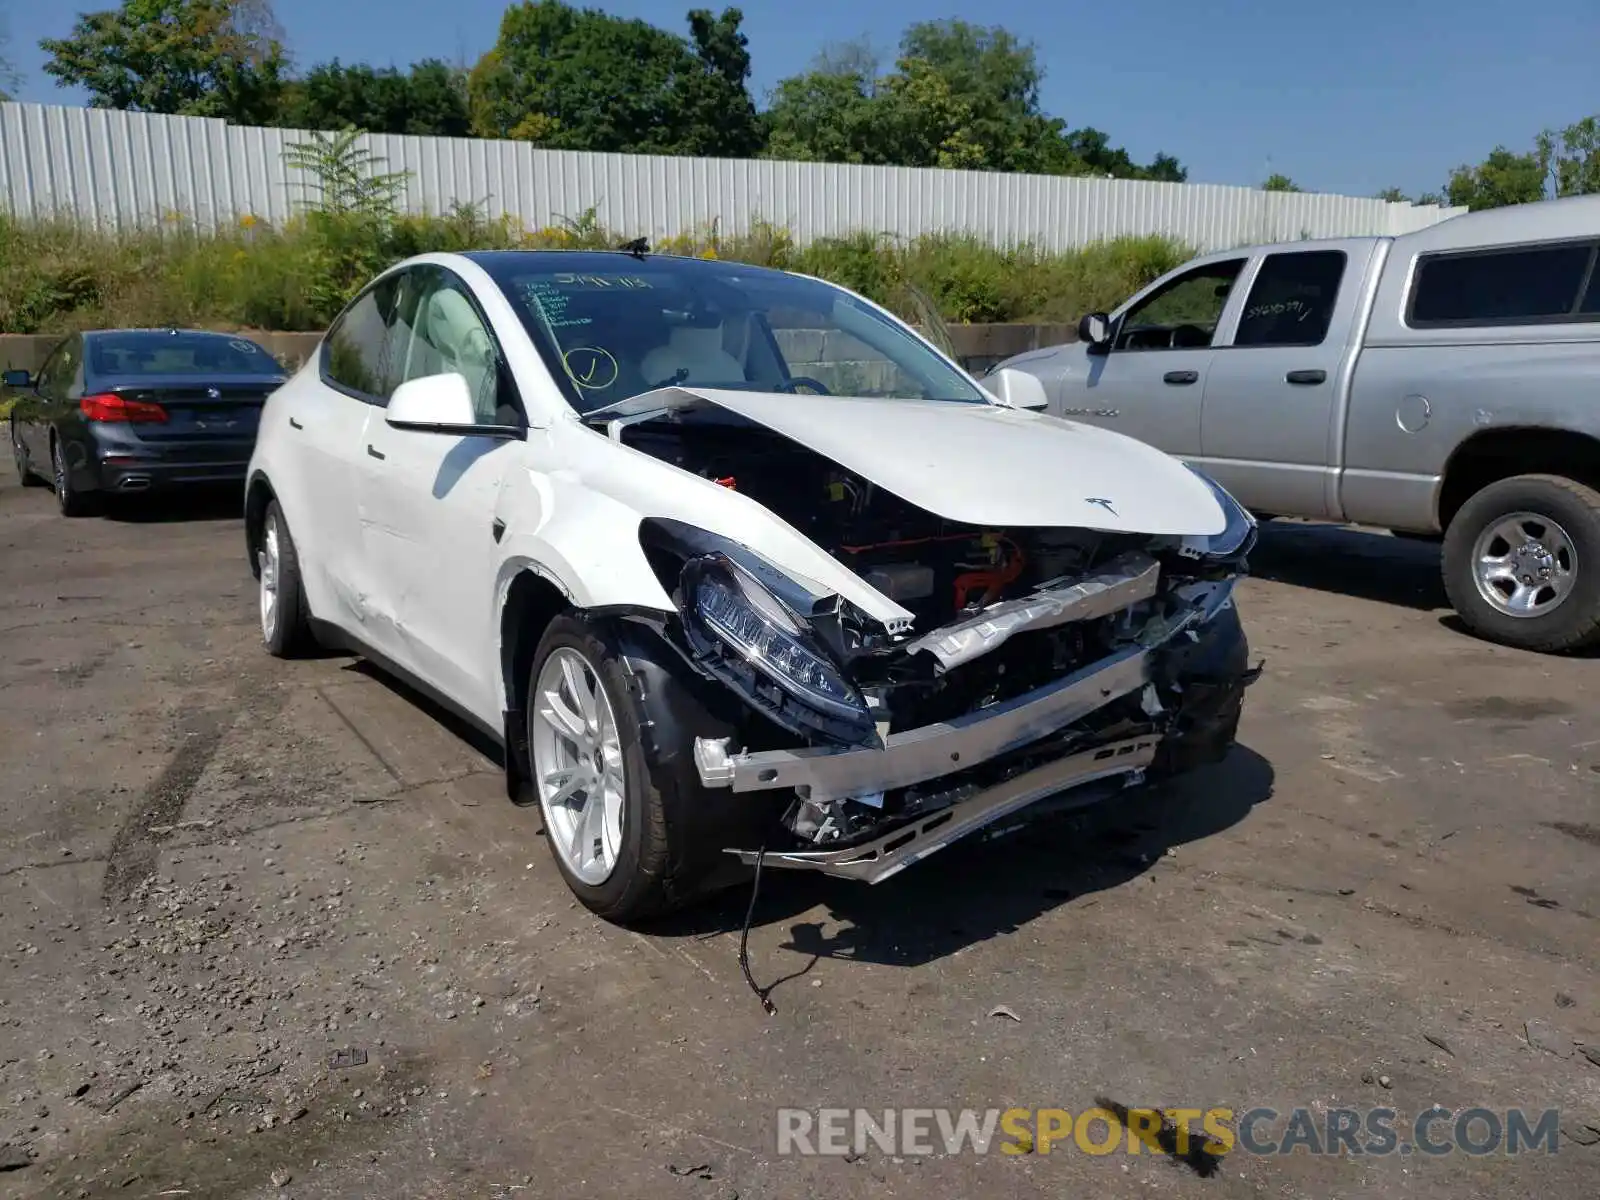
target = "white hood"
x: 978, y: 464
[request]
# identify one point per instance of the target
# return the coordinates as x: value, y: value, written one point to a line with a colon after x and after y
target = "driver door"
x: 1151, y: 382
x: 430, y: 502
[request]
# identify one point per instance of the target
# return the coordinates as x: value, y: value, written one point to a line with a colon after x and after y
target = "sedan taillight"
x: 120, y: 408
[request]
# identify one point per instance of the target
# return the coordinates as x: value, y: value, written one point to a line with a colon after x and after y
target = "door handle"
x: 293, y: 424
x: 1180, y: 377
x: 375, y: 452
x: 1307, y: 377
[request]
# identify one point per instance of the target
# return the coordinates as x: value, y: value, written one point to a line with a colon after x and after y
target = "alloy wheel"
x: 267, y: 559
x: 578, y: 765
x: 1525, y: 564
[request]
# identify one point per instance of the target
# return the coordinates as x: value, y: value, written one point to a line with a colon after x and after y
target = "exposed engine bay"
x: 1000, y: 614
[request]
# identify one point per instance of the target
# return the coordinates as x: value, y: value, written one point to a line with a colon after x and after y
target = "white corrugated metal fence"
x: 125, y: 169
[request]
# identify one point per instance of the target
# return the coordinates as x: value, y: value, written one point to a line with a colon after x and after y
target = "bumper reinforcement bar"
x: 931, y: 751
x: 893, y: 852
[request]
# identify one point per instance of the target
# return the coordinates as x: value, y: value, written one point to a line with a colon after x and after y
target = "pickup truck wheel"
x: 603, y: 815
x: 1522, y: 563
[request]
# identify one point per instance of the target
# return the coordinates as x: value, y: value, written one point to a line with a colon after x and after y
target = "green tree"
x: 580, y: 79
x: 429, y: 99
x: 8, y: 73
x: 1571, y: 158
x: 204, y: 58
x: 1393, y: 195
x: 1502, y: 178
x: 1279, y: 183
x: 1563, y: 162
x: 829, y: 113
x: 341, y: 178
x: 960, y: 95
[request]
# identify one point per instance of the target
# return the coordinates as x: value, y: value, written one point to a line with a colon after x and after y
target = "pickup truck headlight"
x: 776, y: 659
x: 1237, y: 535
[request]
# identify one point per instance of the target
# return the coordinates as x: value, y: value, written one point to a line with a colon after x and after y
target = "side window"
x: 1590, y: 305
x: 353, y: 355
x: 1526, y: 285
x: 1183, y: 313
x: 437, y: 330
x: 60, y: 370
x: 1292, y: 299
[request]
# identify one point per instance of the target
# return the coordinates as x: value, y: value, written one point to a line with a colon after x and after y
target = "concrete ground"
x: 271, y: 929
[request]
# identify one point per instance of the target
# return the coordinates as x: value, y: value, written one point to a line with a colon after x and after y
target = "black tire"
x: 1572, y: 624
x: 69, y: 499
x: 638, y: 886
x: 288, y: 633
x: 26, y: 475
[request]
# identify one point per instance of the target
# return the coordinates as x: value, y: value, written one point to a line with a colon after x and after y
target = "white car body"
x: 410, y: 542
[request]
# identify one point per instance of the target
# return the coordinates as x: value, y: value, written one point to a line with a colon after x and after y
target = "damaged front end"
x: 1058, y: 665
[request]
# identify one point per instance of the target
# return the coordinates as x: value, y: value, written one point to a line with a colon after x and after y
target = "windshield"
x: 611, y: 327
x: 153, y: 353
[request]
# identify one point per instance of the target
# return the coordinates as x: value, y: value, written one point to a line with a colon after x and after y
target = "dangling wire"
x: 744, y: 940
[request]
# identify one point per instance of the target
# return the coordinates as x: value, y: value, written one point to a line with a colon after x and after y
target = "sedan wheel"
x: 69, y: 500
x: 578, y: 765
x: 19, y: 455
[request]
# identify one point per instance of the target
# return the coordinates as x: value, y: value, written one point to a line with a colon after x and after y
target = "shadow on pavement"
x: 1353, y: 562
x: 974, y: 891
x: 195, y: 503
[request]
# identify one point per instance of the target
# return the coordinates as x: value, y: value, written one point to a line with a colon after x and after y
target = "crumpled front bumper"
x: 917, y: 756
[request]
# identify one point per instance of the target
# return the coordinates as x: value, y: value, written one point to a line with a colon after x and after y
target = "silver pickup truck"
x: 1445, y: 382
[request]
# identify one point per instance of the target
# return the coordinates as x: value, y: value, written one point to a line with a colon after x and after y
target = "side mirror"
x: 17, y: 379
x: 1094, y: 331
x: 440, y: 404
x: 1017, y: 389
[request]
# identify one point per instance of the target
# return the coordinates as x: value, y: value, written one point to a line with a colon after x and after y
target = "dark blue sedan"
x: 114, y: 412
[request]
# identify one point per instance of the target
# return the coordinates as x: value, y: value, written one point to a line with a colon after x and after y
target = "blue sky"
x: 1342, y: 97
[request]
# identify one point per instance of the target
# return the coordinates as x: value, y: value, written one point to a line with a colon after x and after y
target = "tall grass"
x: 60, y: 275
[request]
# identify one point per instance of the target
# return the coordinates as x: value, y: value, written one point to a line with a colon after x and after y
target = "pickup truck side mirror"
x: 17, y: 379
x: 1094, y: 331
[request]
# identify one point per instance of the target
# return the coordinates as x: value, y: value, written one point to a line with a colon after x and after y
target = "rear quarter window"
x: 1522, y: 285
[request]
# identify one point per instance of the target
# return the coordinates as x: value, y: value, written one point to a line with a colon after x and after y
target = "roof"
x: 168, y: 331
x: 1543, y: 220
x: 610, y: 260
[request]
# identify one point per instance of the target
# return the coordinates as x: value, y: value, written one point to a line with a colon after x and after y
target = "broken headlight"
x: 1237, y: 535
x: 776, y: 659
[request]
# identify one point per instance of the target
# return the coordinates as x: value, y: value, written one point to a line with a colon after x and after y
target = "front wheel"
x: 1522, y: 563
x: 26, y: 475
x: 604, y: 817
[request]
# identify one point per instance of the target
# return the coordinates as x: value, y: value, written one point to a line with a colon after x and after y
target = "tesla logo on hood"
x: 1105, y: 504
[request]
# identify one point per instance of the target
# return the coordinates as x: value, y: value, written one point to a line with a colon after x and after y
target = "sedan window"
x: 137, y: 352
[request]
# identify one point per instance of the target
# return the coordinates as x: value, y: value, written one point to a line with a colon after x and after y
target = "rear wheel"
x: 1522, y: 563
x: 285, y: 629
x: 69, y: 499
x: 604, y: 817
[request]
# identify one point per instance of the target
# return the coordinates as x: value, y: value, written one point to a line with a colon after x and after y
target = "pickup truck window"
x: 1525, y: 285
x: 1292, y: 299
x: 1183, y: 313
